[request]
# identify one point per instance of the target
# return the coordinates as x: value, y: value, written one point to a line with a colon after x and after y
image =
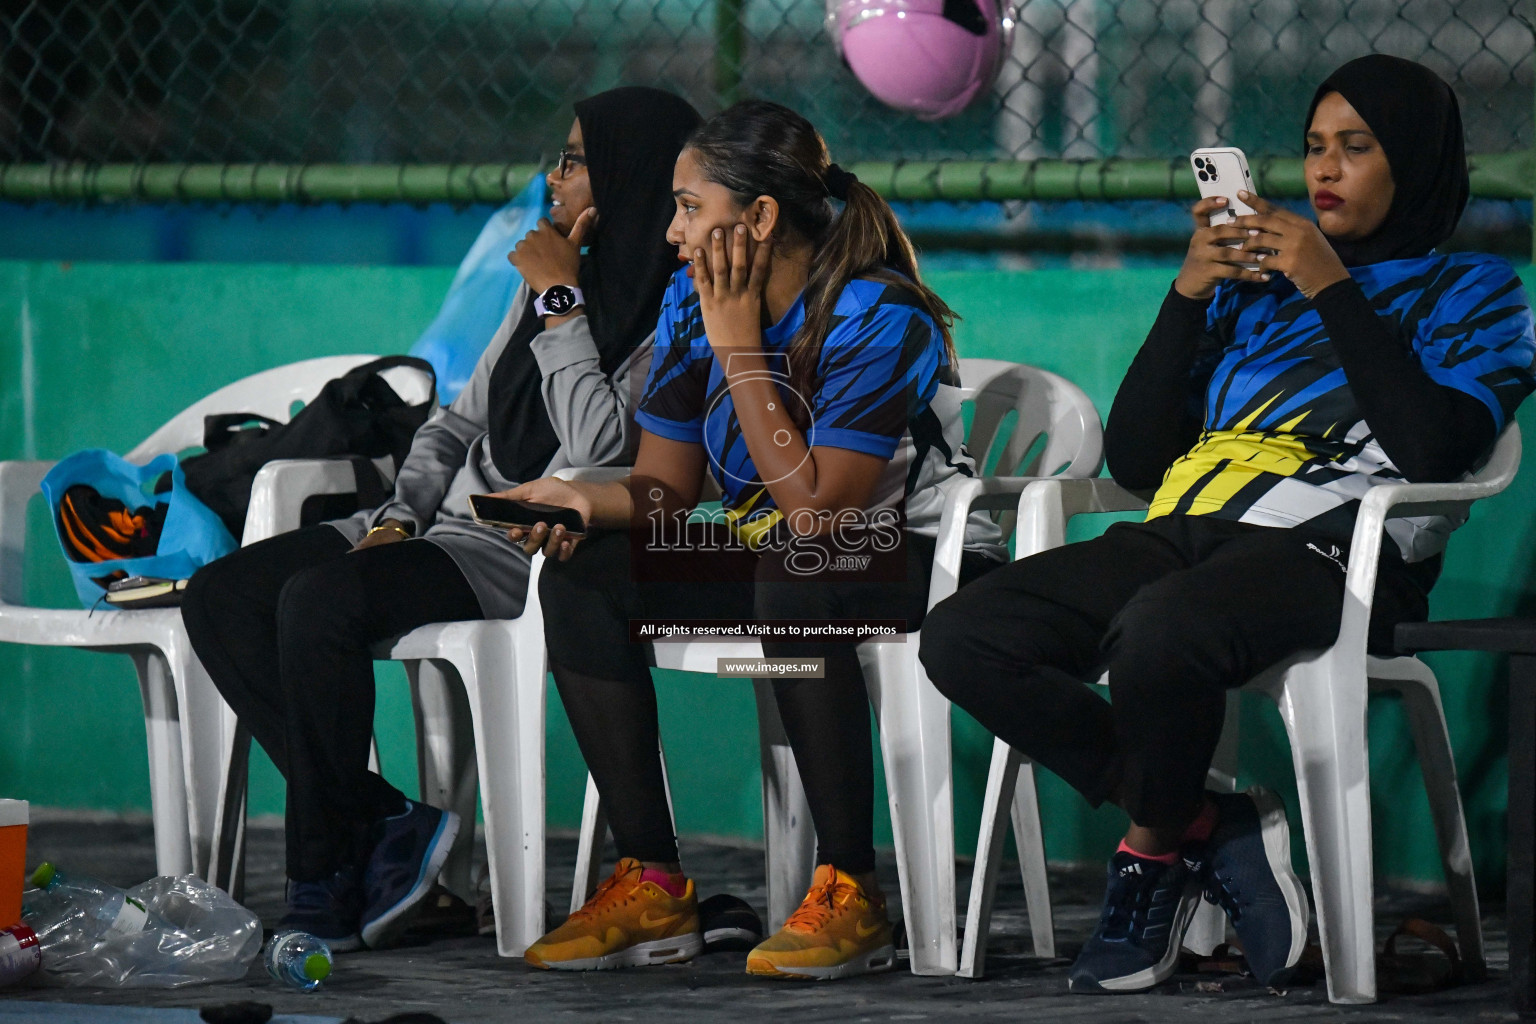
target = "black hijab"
x: 1414, y: 116
x: 632, y: 137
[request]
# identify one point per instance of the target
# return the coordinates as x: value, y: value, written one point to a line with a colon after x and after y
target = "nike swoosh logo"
x: 865, y: 933
x: 647, y: 921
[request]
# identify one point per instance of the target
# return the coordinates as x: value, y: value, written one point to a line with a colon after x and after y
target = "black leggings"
x: 605, y: 684
x: 1178, y: 610
x: 284, y: 628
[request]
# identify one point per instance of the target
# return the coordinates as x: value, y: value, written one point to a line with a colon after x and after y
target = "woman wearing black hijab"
x: 284, y: 627
x: 1262, y: 407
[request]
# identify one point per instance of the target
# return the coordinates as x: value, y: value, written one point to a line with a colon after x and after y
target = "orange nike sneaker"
x: 628, y: 922
x: 838, y: 931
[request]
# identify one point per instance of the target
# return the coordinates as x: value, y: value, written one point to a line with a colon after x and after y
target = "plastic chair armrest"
x: 1395, y: 501
x: 962, y: 496
x: 593, y: 474
x: 280, y: 488
x: 18, y: 482
x: 1046, y: 506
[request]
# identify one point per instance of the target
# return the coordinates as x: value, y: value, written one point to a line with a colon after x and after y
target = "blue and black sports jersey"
x: 1284, y: 440
x: 885, y: 387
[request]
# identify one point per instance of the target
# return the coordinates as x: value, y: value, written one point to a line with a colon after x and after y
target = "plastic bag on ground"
x: 194, y: 933
x: 481, y: 292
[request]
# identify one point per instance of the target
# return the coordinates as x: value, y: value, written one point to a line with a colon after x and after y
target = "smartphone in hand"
x: 1221, y: 171
x: 505, y: 513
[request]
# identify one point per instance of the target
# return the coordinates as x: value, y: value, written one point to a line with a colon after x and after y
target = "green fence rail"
x: 1494, y: 176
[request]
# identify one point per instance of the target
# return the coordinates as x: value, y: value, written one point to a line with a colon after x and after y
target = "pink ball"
x: 913, y: 57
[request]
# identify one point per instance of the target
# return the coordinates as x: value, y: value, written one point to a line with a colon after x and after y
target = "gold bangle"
x: 405, y: 534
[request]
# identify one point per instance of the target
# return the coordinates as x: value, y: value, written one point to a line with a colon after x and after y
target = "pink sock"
x: 1204, y: 824
x: 1161, y: 858
x: 673, y: 885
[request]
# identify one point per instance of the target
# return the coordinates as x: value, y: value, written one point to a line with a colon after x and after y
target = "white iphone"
x: 1221, y: 171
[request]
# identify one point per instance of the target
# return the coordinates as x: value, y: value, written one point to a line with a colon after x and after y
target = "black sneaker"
x: 729, y: 924
x: 1246, y: 869
x: 401, y: 870
x: 1136, y: 944
x: 328, y: 910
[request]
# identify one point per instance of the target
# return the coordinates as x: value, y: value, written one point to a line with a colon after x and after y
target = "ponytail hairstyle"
x: 757, y: 148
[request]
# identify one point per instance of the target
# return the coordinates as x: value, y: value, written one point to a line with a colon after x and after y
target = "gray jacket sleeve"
x: 589, y: 412
x: 588, y: 409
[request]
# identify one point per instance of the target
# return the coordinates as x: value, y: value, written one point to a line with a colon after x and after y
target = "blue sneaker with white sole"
x: 328, y: 909
x: 1136, y: 944
x: 1246, y: 869
x: 402, y: 868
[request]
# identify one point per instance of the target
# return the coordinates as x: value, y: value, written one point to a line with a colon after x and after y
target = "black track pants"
x: 1177, y: 610
x: 284, y: 627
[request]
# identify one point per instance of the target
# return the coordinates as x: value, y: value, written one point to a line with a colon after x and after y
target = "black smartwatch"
x: 558, y: 300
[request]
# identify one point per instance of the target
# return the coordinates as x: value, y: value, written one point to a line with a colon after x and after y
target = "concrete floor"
x: 462, y: 980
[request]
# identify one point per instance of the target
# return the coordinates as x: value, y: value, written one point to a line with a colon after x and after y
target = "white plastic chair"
x: 478, y: 696
x: 1322, y: 699
x: 182, y: 710
x: 1057, y: 431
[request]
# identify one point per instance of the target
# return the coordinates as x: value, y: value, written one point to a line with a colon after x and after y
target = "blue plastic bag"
x: 192, y: 535
x: 481, y: 293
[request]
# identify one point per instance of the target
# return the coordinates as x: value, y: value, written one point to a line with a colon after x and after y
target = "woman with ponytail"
x: 802, y: 363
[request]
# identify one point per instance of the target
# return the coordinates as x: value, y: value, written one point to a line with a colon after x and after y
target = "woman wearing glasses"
x: 284, y: 627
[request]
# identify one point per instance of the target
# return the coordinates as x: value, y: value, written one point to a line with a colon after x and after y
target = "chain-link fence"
x: 492, y: 81
x: 269, y: 101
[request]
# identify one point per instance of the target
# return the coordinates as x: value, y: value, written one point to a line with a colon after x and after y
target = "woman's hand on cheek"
x: 730, y: 286
x: 545, y: 257
x: 1288, y: 243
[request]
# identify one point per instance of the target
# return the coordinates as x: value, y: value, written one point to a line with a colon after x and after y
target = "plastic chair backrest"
x: 1057, y: 429
x: 270, y: 393
x: 1504, y: 461
x: 1048, y: 406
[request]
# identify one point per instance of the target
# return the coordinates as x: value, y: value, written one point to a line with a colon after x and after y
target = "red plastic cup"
x: 13, y: 859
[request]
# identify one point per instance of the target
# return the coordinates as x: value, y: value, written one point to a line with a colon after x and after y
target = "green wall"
x: 100, y: 354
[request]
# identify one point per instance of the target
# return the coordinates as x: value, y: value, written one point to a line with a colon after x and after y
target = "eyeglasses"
x: 569, y: 160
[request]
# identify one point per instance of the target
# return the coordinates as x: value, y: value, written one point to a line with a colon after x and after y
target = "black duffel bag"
x: 357, y: 415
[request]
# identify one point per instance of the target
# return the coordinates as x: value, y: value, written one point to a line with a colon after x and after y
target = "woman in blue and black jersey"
x: 801, y: 362
x: 1264, y: 404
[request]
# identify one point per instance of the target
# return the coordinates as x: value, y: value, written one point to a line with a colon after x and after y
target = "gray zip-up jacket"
x: 450, y: 456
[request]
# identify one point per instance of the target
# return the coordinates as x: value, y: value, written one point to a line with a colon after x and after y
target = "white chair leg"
x: 1426, y: 717
x: 594, y: 829
x: 167, y: 781
x: 445, y: 761
x: 200, y: 714
x: 1325, y: 720
x: 504, y: 680
x: 1002, y: 776
x: 589, y: 849
x: 915, y: 743
x: 1030, y: 840
x: 789, y: 835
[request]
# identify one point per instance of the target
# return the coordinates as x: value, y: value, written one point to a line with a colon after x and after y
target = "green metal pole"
x: 730, y: 50
x: 1494, y: 176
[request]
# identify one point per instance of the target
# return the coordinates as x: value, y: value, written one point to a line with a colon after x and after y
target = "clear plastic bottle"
x: 83, y: 911
x: 298, y: 960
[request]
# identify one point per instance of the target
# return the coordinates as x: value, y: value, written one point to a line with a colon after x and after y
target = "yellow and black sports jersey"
x: 1284, y: 442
